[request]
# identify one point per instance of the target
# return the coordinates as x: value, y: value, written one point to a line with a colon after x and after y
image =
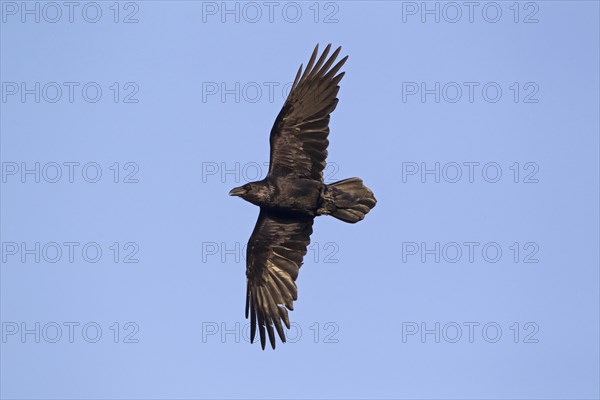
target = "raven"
x: 293, y: 194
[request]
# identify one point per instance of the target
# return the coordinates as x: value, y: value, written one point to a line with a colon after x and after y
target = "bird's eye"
x: 247, y: 187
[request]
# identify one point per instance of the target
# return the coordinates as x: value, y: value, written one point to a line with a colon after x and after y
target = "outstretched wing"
x: 273, y: 259
x: 299, y: 135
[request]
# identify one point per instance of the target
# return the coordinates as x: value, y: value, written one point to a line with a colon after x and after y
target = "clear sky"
x: 124, y: 125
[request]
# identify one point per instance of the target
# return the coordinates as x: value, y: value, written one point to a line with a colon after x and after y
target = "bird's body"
x: 284, y: 195
x: 293, y: 194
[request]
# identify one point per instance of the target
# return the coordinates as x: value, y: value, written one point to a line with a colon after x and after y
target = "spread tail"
x: 348, y: 200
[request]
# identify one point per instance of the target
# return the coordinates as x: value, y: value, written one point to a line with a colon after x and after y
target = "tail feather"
x: 348, y: 200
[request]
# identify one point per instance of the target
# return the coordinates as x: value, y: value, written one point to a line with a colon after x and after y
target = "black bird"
x: 293, y: 194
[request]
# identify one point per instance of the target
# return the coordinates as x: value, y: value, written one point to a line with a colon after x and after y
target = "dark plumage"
x: 293, y: 194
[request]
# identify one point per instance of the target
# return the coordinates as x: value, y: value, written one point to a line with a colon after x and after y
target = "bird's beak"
x: 238, y: 191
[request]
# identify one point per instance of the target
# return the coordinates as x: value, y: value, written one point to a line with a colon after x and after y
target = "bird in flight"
x: 293, y: 194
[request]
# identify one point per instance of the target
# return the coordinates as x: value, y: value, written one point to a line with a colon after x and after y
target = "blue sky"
x: 124, y: 125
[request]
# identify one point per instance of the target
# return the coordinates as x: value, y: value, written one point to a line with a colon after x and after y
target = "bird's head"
x: 254, y: 192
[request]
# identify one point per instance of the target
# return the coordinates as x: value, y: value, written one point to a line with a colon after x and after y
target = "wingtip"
x: 316, y: 50
x: 343, y: 61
